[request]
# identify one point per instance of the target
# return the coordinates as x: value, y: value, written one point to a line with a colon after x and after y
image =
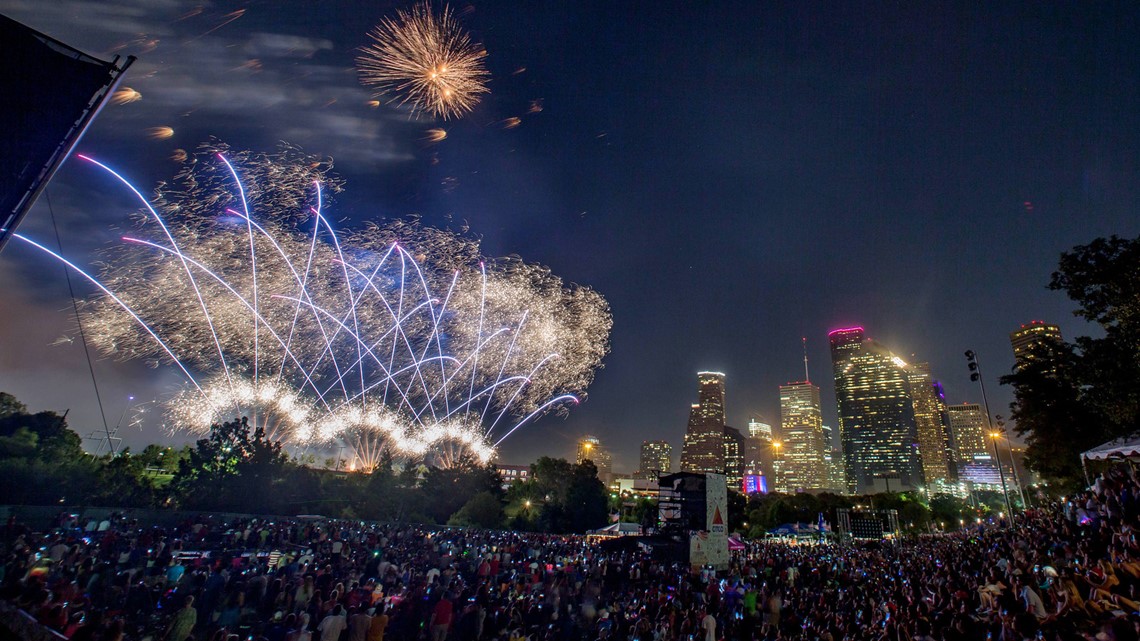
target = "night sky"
x: 730, y: 177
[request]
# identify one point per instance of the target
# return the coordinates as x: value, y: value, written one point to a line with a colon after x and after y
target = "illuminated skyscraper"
x: 801, y: 424
x: 833, y: 457
x: 933, y: 442
x: 1029, y: 335
x: 590, y: 449
x: 703, y: 450
x: 969, y: 426
x: 876, y: 414
x: 759, y: 459
x: 733, y: 457
x: 656, y: 458
x: 757, y: 428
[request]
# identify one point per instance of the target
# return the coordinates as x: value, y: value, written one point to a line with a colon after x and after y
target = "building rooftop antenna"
x: 807, y: 379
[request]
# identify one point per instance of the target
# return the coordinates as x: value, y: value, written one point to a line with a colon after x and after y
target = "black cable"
x: 79, y: 321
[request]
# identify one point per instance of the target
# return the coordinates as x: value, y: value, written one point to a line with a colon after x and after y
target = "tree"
x: 123, y: 481
x: 236, y: 469
x: 483, y: 510
x: 9, y: 405
x: 562, y: 497
x: 586, y: 500
x: 41, y: 459
x: 737, y: 511
x: 446, y: 490
x: 55, y: 442
x: 1071, y: 396
x: 948, y: 509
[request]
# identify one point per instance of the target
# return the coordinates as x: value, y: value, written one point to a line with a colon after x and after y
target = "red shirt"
x: 443, y: 612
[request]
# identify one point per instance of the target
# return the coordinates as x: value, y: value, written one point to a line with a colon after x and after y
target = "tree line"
x: 238, y: 468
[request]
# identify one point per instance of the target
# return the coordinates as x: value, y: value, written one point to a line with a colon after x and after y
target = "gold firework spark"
x: 125, y: 96
x: 435, y: 135
x: 160, y: 133
x: 426, y: 60
x: 262, y: 341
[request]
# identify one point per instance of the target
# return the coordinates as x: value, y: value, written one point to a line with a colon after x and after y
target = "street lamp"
x: 976, y: 376
x: 1012, y: 464
x: 776, y: 465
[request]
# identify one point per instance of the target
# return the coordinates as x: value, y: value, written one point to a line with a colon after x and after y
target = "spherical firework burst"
x: 426, y: 60
x: 397, y: 333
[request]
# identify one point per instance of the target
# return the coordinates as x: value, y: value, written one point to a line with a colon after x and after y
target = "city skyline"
x: 731, y: 178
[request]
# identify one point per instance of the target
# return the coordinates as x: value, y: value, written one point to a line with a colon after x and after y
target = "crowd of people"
x: 1064, y: 571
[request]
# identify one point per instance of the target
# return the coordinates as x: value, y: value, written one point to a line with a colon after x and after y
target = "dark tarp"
x: 46, y: 91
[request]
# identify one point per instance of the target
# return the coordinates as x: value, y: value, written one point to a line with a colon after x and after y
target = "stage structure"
x: 693, y: 508
x: 867, y: 524
x: 49, y: 94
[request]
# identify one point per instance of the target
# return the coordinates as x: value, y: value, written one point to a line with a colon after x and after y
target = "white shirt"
x: 708, y: 624
x: 331, y: 627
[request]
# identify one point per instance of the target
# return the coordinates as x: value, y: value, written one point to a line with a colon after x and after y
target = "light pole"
x: 1001, y: 433
x: 776, y: 465
x: 976, y: 376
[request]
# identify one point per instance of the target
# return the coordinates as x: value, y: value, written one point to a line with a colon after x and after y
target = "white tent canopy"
x: 1127, y: 447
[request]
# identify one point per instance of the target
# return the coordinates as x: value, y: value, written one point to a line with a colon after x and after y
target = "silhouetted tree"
x: 235, y: 468
x: 1072, y: 396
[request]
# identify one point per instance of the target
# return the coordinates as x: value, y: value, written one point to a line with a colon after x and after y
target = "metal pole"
x: 1001, y: 475
x: 1013, y: 466
x: 989, y: 423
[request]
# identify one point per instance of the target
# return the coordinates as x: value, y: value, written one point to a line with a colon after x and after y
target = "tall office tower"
x: 801, y: 423
x: 1030, y: 335
x: 968, y: 424
x: 757, y: 428
x: 932, y: 441
x: 733, y: 458
x: 876, y: 415
x: 828, y: 436
x: 758, y: 461
x: 656, y: 458
x: 833, y: 458
x: 590, y: 449
x: 947, y: 435
x: 703, y: 450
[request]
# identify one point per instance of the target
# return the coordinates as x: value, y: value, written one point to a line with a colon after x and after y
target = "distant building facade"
x: 757, y: 428
x: 734, y: 450
x: 804, y: 450
x: 590, y: 448
x: 837, y: 481
x: 703, y: 450
x: 930, y: 426
x: 656, y: 459
x: 969, y: 426
x: 511, y: 474
x: 876, y: 414
x: 1025, y: 339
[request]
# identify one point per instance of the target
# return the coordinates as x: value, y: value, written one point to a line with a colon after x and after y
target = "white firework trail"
x: 397, y: 332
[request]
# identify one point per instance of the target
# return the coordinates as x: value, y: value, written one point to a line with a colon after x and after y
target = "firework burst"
x: 395, y: 333
x: 426, y: 60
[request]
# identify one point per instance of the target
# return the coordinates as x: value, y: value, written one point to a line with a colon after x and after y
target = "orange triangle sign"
x: 717, y: 520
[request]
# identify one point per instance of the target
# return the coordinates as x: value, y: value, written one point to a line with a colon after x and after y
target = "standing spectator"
x: 332, y: 625
x: 708, y: 624
x: 378, y: 625
x: 441, y: 619
x: 183, y: 623
x: 358, y: 625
